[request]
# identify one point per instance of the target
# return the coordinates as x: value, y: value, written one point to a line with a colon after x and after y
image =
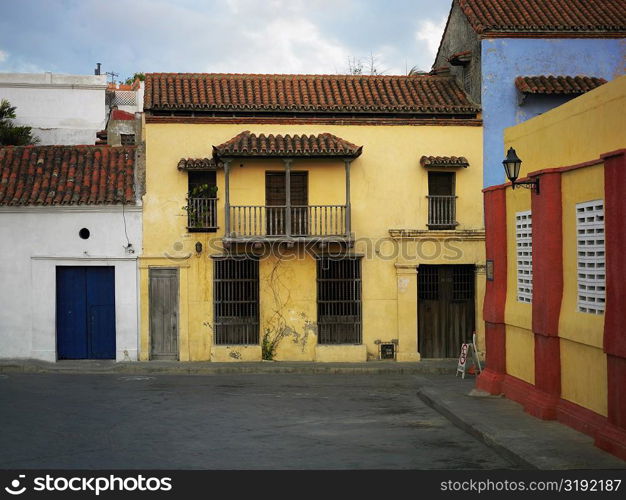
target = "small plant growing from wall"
x: 276, y: 328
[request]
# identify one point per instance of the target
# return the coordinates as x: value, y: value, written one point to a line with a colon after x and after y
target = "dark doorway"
x: 85, y: 312
x: 445, y: 309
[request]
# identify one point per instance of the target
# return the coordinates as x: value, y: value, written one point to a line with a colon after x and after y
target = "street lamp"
x: 512, y: 165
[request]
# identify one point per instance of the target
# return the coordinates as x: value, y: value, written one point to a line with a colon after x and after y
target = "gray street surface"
x: 234, y: 421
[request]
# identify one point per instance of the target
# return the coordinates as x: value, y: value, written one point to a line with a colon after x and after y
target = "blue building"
x: 520, y: 58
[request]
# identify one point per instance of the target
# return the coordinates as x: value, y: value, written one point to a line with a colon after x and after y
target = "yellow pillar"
x: 406, y: 275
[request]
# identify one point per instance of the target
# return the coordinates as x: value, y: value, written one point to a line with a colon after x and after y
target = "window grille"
x: 462, y: 283
x: 339, y: 300
x: 428, y: 283
x: 524, y: 243
x: 591, y: 257
x: 236, y: 300
x: 127, y: 139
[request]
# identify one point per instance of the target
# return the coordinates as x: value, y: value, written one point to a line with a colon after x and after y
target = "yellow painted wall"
x: 583, y: 376
x: 574, y: 133
x: 520, y: 353
x: 389, y: 190
x: 578, y: 131
x: 578, y: 186
x: 518, y: 314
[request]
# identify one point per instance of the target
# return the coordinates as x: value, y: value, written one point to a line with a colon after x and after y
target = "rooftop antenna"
x: 112, y: 75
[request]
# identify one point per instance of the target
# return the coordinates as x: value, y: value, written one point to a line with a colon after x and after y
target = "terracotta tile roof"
x: 460, y: 58
x: 322, y: 145
x: 66, y: 175
x: 423, y: 94
x: 557, y: 84
x: 443, y: 161
x: 557, y: 16
x: 197, y: 164
x: 119, y: 114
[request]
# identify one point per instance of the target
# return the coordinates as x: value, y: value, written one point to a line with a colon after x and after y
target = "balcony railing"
x: 308, y: 221
x: 442, y: 212
x: 202, y: 214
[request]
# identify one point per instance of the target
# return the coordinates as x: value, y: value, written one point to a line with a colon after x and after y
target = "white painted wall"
x: 61, y: 109
x: 33, y: 241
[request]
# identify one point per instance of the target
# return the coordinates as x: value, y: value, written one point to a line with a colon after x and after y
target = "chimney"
x: 97, y: 70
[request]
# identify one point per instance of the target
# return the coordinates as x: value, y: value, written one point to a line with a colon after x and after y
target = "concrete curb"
x: 438, y: 367
x: 475, y: 429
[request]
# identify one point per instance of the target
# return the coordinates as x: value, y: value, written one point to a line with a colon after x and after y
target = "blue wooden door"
x: 85, y: 312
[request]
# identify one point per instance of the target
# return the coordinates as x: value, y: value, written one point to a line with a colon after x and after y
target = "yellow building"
x: 310, y: 218
x: 554, y: 309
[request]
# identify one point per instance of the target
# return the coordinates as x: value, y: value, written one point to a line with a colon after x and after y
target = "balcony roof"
x: 197, y: 164
x: 443, y: 161
x: 248, y: 144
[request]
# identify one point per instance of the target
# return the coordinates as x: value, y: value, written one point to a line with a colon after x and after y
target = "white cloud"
x: 286, y: 45
x: 431, y: 32
x: 3, y: 55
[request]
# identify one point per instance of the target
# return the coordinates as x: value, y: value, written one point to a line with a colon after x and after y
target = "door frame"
x: 178, y: 308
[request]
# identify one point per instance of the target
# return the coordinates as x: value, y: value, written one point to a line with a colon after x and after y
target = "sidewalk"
x: 426, y: 367
x: 504, y: 426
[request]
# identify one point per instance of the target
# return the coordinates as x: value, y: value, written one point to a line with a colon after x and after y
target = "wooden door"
x: 85, y: 312
x: 276, y: 196
x: 164, y: 314
x: 445, y: 309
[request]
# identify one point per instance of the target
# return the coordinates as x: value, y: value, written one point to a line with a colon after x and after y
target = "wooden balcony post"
x: 288, y: 196
x: 348, y: 206
x: 227, y: 198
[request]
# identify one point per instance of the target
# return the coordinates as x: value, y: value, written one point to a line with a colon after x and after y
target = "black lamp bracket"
x: 527, y: 184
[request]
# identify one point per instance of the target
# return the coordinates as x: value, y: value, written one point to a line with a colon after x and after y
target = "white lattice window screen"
x: 125, y: 98
x: 524, y: 243
x: 591, y: 256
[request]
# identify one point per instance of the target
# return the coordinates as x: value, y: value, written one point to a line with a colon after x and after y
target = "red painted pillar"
x: 491, y: 378
x: 613, y: 438
x: 547, y: 216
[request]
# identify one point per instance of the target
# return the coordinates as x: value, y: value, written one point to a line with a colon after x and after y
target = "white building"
x: 61, y: 109
x: 70, y: 234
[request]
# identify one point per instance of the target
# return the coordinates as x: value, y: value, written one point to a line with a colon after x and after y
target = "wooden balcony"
x: 283, y: 223
x: 202, y: 214
x: 442, y: 212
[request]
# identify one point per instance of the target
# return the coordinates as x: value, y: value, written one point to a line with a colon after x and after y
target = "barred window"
x: 590, y: 257
x: 236, y: 300
x: 339, y: 300
x: 524, y: 244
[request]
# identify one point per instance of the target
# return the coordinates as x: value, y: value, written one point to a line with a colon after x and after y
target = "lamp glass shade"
x: 512, y: 165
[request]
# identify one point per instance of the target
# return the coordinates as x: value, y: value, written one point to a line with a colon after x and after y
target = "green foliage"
x: 10, y: 134
x: 269, y: 344
x: 195, y: 218
x: 137, y: 76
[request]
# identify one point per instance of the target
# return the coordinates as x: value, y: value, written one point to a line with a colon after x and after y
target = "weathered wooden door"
x: 164, y: 314
x: 445, y: 309
x: 276, y: 196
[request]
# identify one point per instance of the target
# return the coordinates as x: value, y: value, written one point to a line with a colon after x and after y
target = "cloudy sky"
x: 240, y: 36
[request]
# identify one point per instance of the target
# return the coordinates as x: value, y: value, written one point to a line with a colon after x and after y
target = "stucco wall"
x: 61, y: 109
x: 503, y: 59
x: 459, y: 36
x: 389, y: 189
x: 33, y: 241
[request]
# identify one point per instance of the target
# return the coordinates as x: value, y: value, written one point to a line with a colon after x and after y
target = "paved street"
x: 284, y: 421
